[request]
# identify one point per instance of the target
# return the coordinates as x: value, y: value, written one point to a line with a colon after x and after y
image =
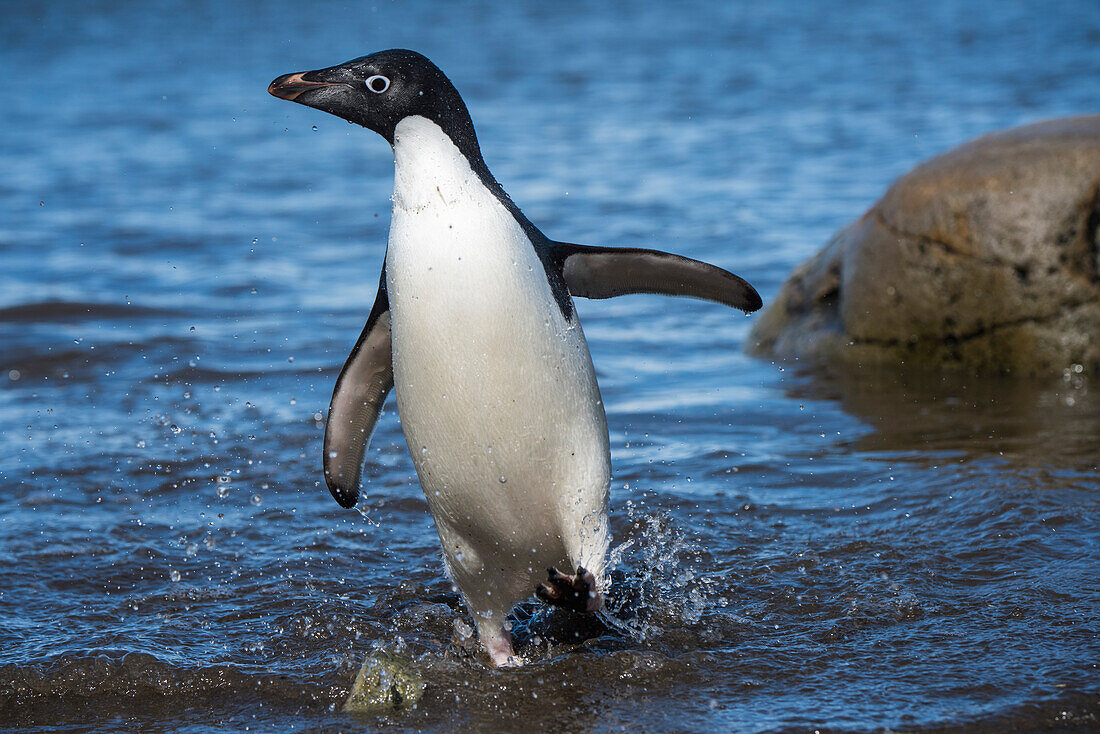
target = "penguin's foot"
x: 496, y: 641
x: 501, y: 653
x: 577, y: 593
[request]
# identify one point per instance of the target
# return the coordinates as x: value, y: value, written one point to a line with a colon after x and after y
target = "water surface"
x: 185, y: 263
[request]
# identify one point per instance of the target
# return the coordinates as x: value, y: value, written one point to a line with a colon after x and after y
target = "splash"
x: 654, y: 581
x: 367, y: 517
x: 654, y: 587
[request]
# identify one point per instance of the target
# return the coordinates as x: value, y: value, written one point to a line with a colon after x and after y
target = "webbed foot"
x: 577, y: 593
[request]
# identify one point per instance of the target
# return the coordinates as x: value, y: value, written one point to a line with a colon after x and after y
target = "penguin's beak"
x: 337, y: 90
x: 291, y: 86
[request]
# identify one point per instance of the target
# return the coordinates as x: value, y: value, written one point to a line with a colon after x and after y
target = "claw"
x: 576, y: 593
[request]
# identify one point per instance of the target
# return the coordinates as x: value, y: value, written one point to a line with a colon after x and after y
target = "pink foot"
x: 498, y: 643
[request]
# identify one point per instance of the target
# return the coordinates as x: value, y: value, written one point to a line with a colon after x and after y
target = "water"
x: 185, y: 263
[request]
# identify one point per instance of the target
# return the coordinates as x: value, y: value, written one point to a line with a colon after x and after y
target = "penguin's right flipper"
x: 605, y: 272
x: 360, y: 391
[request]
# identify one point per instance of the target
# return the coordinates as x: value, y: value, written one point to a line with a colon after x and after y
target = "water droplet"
x: 314, y: 128
x: 503, y: 479
x: 223, y: 490
x: 141, y: 443
x: 176, y: 430
x: 14, y: 375
x: 173, y: 575
x: 256, y: 500
x: 332, y: 454
x: 193, y: 549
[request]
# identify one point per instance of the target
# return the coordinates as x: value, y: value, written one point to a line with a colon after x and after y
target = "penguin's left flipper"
x: 605, y: 272
x: 357, y: 401
x: 576, y: 593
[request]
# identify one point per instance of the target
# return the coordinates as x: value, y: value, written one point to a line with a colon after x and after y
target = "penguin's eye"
x: 377, y: 83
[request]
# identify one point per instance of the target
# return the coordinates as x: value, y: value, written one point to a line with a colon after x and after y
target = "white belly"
x: 495, y: 389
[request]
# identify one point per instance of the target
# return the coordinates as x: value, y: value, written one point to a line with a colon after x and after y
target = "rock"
x: 985, y: 258
x: 385, y: 682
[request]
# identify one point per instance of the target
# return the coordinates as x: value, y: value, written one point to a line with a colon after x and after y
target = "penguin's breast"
x: 495, y: 387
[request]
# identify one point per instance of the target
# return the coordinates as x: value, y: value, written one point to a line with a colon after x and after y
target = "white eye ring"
x: 377, y: 83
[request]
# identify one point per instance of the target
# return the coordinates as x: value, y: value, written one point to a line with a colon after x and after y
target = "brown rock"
x: 984, y: 258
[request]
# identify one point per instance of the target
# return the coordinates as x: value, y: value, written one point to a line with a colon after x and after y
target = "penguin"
x: 475, y: 330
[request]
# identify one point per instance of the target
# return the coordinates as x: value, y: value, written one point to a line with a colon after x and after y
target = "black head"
x: 379, y: 90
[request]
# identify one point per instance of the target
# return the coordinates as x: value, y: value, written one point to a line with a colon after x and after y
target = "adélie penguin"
x: 474, y: 327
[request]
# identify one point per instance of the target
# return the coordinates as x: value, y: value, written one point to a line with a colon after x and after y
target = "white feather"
x: 495, y: 389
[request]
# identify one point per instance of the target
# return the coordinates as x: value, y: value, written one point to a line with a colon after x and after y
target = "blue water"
x: 185, y: 263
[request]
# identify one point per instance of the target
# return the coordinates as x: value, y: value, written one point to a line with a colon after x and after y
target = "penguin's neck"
x: 429, y: 169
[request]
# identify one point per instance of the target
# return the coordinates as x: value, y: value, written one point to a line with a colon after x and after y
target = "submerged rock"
x: 385, y: 682
x: 984, y: 258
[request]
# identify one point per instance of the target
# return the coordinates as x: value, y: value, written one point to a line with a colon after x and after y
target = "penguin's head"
x: 380, y: 90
